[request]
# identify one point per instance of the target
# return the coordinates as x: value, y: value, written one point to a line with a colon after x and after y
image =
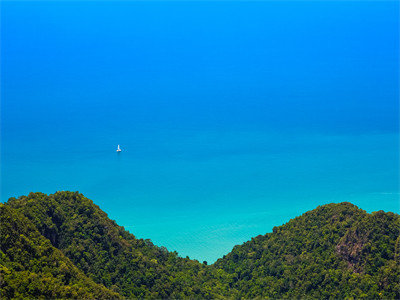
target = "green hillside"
x: 336, y: 250
x: 63, y: 245
x: 112, y: 256
x: 31, y: 267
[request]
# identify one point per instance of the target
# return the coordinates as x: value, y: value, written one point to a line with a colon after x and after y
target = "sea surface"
x: 233, y: 117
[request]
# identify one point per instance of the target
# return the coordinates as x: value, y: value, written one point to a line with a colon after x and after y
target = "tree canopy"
x: 64, y: 246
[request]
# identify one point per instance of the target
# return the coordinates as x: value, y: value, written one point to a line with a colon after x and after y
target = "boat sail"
x: 118, y: 149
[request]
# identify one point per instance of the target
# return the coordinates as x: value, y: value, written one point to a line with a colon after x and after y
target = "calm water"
x: 233, y: 117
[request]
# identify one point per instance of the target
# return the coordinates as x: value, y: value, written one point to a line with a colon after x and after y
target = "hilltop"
x: 110, y: 255
x: 336, y: 250
x: 74, y: 250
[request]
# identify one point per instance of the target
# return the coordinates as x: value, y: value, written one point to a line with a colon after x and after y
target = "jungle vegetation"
x: 64, y: 246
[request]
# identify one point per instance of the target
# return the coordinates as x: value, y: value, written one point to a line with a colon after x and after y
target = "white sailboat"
x: 118, y: 149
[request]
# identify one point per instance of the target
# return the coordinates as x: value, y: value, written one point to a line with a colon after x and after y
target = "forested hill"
x: 31, y: 266
x: 112, y: 256
x: 336, y: 250
x: 62, y: 245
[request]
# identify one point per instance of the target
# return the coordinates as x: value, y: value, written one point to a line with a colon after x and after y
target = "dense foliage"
x: 63, y: 245
x: 31, y: 266
x: 112, y: 256
x: 336, y: 250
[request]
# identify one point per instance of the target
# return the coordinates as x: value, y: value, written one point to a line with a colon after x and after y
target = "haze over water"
x: 233, y: 117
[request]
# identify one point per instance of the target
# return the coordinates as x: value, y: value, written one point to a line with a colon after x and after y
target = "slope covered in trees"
x: 336, y: 250
x: 112, y: 256
x: 31, y: 267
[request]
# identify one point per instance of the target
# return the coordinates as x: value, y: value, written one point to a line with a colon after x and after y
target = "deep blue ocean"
x: 233, y: 116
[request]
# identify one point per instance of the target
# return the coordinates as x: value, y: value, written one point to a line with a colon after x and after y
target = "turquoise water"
x: 228, y: 127
x: 203, y: 192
